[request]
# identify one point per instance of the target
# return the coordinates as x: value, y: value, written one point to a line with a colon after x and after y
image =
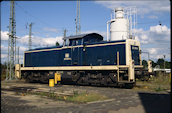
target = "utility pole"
x: 18, y: 61
x: 164, y: 64
x: 77, y: 20
x: 14, y: 29
x: 30, y: 35
x: 11, y: 43
x: 64, y: 33
x: 7, y: 72
x: 79, y: 17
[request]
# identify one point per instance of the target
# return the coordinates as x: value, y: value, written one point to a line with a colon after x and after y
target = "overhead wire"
x: 43, y: 22
x: 61, y: 30
x: 157, y: 22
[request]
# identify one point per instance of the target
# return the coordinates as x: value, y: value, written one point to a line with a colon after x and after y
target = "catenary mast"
x: 11, y: 43
x: 77, y: 20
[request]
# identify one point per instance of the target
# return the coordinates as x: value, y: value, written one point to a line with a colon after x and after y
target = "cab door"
x: 75, y: 52
x: 66, y: 54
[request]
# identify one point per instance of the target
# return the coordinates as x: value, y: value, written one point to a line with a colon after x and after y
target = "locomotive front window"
x: 135, y: 54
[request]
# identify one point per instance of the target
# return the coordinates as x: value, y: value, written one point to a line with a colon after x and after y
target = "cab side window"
x: 70, y: 42
x: 75, y: 42
x: 79, y: 42
x: 67, y: 43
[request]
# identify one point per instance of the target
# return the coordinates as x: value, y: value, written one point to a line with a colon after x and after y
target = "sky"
x: 50, y: 18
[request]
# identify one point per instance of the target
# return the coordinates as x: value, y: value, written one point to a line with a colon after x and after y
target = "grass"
x: 86, y: 97
x: 82, y: 97
x: 159, y: 83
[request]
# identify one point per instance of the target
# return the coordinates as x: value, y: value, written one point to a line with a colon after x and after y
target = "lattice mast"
x: 77, y: 20
x: 18, y: 55
x: 64, y: 35
x: 11, y: 43
x: 30, y: 36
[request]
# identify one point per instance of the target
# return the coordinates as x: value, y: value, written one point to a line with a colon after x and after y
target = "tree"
x: 154, y: 64
x: 167, y: 65
x: 57, y: 44
x: 160, y: 62
x: 144, y: 63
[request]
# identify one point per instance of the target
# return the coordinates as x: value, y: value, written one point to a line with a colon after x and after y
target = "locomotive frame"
x: 114, y: 74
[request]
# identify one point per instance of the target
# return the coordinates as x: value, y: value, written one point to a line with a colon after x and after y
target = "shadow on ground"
x: 19, y: 89
x: 156, y: 103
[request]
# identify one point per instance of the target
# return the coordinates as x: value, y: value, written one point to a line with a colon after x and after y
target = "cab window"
x: 75, y: 42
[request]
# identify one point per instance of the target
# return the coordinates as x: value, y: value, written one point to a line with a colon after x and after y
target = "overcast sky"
x: 51, y: 18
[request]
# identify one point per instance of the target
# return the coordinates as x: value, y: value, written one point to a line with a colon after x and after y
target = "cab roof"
x: 95, y: 35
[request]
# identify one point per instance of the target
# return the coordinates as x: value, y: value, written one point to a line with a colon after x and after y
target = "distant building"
x: 162, y: 70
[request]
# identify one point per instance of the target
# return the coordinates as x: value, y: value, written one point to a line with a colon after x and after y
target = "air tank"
x: 119, y: 27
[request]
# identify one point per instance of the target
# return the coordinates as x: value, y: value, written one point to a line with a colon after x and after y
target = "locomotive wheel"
x: 104, y: 82
x: 44, y: 78
x: 29, y: 79
x: 145, y: 78
x: 82, y: 81
x: 75, y: 77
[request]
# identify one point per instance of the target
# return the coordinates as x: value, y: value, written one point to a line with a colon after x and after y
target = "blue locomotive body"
x: 82, y: 50
x: 85, y: 59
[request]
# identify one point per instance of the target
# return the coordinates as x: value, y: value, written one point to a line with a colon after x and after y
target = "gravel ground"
x: 120, y: 100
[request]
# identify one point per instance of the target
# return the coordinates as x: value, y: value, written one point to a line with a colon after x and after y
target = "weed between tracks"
x: 158, y: 83
x: 86, y: 97
x: 76, y: 97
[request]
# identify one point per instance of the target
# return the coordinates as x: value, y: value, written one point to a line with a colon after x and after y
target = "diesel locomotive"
x: 87, y: 59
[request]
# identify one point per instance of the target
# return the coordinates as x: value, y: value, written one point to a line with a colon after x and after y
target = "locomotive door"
x: 75, y: 53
